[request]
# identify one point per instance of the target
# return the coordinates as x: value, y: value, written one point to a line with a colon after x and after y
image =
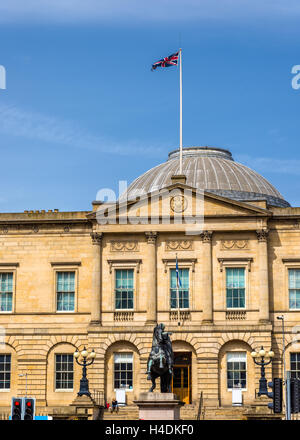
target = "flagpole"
x: 180, y: 88
x: 177, y: 292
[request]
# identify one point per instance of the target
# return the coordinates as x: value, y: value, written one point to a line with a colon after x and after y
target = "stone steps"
x: 225, y: 413
x: 187, y: 412
x: 125, y: 413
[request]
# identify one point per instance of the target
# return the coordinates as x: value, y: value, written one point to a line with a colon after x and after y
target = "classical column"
x: 262, y: 236
x: 96, y: 293
x: 206, y: 269
x: 152, y: 281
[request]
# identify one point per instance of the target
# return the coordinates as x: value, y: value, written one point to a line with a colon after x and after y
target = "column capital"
x: 97, y: 237
x: 262, y: 235
x: 206, y: 236
x: 151, y: 237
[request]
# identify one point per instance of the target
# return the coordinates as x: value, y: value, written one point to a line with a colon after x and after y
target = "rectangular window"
x: 182, y: 293
x: 294, y: 288
x: 235, y: 287
x: 64, y: 373
x: 236, y: 370
x: 65, y: 291
x: 124, y: 289
x: 5, y: 362
x: 6, y: 291
x: 295, y: 365
x: 123, y: 370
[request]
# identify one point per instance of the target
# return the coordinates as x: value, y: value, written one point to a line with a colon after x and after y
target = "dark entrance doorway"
x: 181, y: 383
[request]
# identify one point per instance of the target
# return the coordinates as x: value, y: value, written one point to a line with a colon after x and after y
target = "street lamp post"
x: 285, y: 378
x: 259, y: 359
x: 84, y: 383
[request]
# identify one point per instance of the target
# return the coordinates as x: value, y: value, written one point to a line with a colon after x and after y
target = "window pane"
x: 294, y: 288
x: 123, y: 370
x: 5, y: 371
x: 6, y: 282
x: 6, y: 291
x: 124, y: 284
x: 65, y: 288
x: 294, y: 278
x: 235, y: 287
x: 236, y: 369
x: 179, y: 295
x: 64, y: 371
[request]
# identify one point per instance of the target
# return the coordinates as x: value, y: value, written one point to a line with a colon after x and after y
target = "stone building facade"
x: 103, y: 279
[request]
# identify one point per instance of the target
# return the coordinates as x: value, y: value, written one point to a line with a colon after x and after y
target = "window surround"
x: 63, y: 390
x: 172, y: 309
x: 238, y: 263
x: 123, y: 289
x: 289, y: 263
x: 10, y: 268
x: 128, y: 264
x: 132, y: 356
x: 236, y: 352
x: 65, y: 267
x: 53, y: 394
x: 7, y: 390
x: 183, y: 263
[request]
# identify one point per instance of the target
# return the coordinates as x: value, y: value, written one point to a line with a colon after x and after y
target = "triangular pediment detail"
x: 177, y: 200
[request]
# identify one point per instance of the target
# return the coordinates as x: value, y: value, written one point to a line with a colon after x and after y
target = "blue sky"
x: 82, y: 110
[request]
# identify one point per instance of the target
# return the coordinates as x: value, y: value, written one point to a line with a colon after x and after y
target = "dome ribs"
x: 209, y: 169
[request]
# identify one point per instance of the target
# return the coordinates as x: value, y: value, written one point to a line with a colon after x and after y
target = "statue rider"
x: 164, y: 342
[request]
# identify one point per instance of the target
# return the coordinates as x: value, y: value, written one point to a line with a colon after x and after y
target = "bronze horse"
x: 161, y: 359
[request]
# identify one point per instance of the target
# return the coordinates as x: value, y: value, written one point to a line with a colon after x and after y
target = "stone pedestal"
x: 85, y: 408
x: 159, y: 406
x: 260, y: 411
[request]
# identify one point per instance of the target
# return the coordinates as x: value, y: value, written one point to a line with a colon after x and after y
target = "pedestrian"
x: 114, y: 405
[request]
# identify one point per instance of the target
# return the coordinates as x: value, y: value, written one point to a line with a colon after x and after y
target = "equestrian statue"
x: 161, y: 359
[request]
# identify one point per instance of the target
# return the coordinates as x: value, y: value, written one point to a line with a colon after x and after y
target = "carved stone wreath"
x: 178, y: 203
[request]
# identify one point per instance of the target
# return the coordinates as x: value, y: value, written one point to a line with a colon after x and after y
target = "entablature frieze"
x: 40, y: 228
x: 124, y: 246
x: 235, y: 244
x: 216, y: 225
x: 179, y: 245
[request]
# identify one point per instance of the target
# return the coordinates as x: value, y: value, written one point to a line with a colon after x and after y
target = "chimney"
x: 178, y: 178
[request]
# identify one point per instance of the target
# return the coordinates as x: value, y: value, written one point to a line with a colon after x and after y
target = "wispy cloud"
x: 63, y: 11
x: 270, y: 164
x: 15, y: 121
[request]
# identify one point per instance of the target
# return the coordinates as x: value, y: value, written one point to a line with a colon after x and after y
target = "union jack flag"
x: 172, y: 60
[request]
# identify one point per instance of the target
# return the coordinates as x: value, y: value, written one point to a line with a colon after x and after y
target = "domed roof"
x: 213, y: 170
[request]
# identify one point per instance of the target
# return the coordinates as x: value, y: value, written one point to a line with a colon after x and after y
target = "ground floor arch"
x: 122, y: 371
x: 236, y: 369
x: 184, y: 382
